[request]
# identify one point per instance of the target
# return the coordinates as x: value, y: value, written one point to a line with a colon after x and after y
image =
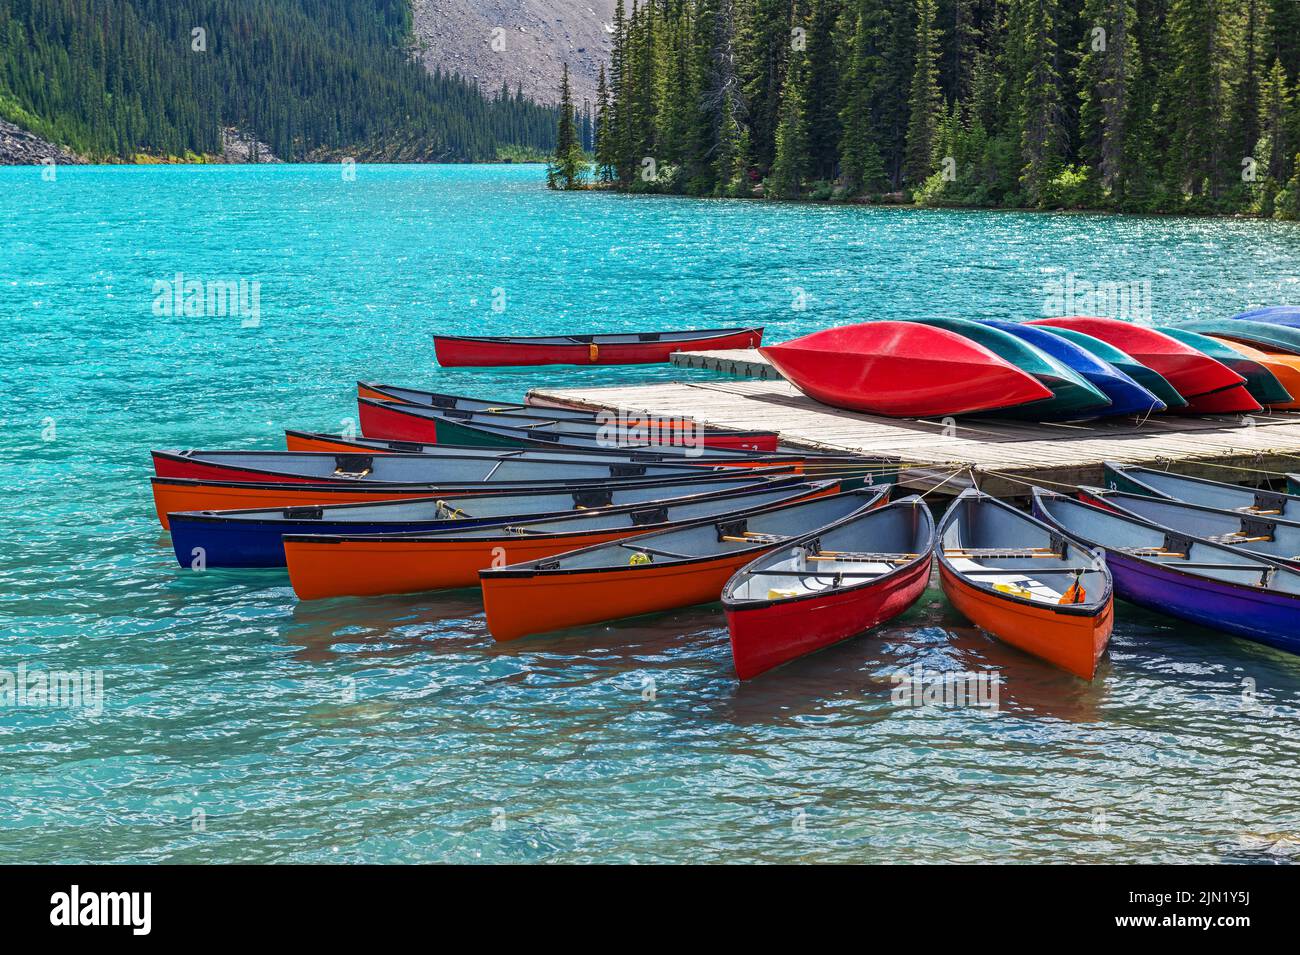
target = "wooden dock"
x: 741, y: 362
x: 1003, y: 457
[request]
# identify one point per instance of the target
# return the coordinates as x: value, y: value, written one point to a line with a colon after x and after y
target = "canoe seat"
x: 1011, y: 581
x: 753, y: 537
x: 858, y: 556
x: 1001, y: 552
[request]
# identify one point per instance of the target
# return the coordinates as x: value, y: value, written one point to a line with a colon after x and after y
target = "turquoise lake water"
x: 239, y: 725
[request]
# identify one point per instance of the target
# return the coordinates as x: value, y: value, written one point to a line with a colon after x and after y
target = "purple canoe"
x: 1187, y: 577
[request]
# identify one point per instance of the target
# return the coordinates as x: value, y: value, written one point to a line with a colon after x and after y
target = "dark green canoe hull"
x: 1260, y: 382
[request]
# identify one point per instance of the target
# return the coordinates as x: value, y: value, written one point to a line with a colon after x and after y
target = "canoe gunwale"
x: 1183, y: 573
x: 563, y: 341
x: 531, y: 569
x: 732, y: 605
x: 764, y: 481
x: 798, y: 491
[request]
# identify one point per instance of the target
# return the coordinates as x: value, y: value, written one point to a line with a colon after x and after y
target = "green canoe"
x: 1260, y: 382
x: 1072, y: 395
x: 1281, y: 338
x: 1148, y: 378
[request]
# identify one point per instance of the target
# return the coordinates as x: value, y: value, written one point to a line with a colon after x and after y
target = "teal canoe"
x: 1072, y: 395
x: 1148, y: 378
x: 1281, y: 338
x: 1260, y: 382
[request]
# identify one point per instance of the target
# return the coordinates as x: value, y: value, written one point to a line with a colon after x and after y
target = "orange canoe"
x: 1285, y: 368
x: 323, y: 566
x: 651, y: 572
x: 1026, y: 583
x: 171, y: 495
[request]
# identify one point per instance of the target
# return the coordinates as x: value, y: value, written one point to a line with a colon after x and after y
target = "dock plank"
x: 1002, y: 455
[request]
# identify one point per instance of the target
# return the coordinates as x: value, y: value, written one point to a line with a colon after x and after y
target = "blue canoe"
x: 253, y: 537
x: 1273, y: 314
x: 1186, y: 577
x: 1127, y: 397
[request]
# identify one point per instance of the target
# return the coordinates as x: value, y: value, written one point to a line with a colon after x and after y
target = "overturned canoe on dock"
x: 1210, y: 584
x: 1072, y: 395
x: 652, y: 572
x: 902, y: 369
x: 1126, y: 396
x: 828, y: 586
x: 1285, y: 368
x: 1261, y: 384
x: 630, y: 348
x: 358, y: 565
x: 252, y: 537
x: 1026, y: 583
x: 1191, y: 372
x: 1266, y: 335
x: 1272, y: 314
x: 1148, y: 378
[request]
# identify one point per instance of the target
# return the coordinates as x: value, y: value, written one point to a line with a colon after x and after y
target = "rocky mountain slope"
x: 534, y: 38
x: 18, y: 147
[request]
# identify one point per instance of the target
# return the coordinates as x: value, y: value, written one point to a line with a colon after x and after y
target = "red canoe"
x: 387, y: 419
x: 448, y: 466
x: 828, y: 586
x: 1190, y: 372
x: 1234, y: 400
x: 903, y: 369
x: 633, y: 348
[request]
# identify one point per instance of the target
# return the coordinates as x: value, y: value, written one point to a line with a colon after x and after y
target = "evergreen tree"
x: 568, y: 168
x: 605, y: 155
x: 765, y: 42
x: 822, y: 88
x: 790, y: 165
x: 1042, y: 138
x: 861, y: 167
x: 1201, y: 40
x: 1108, y: 69
x: 924, y: 103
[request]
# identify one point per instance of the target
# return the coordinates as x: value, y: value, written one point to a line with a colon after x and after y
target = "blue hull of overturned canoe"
x: 1273, y: 314
x: 1127, y: 397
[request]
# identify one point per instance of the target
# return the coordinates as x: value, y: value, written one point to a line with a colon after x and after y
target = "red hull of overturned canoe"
x: 1190, y: 372
x: 1073, y: 642
x: 767, y: 637
x: 459, y: 352
x: 1234, y: 400
x: 902, y: 369
x: 391, y: 422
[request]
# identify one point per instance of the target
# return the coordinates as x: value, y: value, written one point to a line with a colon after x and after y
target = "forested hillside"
x: 313, y: 79
x: 1146, y: 105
